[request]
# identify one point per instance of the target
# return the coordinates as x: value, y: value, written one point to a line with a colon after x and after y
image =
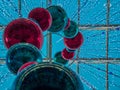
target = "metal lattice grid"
x: 103, y: 25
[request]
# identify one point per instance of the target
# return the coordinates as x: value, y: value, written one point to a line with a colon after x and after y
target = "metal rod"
x: 90, y: 27
x: 84, y: 60
x: 98, y: 27
x: 49, y: 46
x: 78, y: 12
x: 77, y: 63
x: 19, y: 8
x: 49, y: 38
x: 107, y: 44
x: 98, y: 58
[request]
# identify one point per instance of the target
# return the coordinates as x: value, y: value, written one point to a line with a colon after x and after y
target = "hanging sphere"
x: 67, y: 55
x: 68, y: 24
x: 23, y: 30
x: 46, y: 76
x: 74, y: 43
x: 72, y: 30
x: 42, y: 17
x: 59, y: 59
x: 20, y: 54
x: 26, y: 65
x: 59, y: 18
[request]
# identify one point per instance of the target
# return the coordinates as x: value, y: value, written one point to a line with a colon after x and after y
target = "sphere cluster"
x: 24, y: 37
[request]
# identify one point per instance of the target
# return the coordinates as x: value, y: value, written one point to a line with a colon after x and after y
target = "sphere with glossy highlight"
x: 42, y: 17
x: 74, y: 43
x: 20, y: 54
x: 72, y: 30
x: 23, y: 30
x: 59, y: 59
x: 67, y: 55
x: 59, y: 18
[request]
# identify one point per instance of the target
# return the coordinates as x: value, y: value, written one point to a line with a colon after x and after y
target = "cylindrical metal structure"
x: 46, y: 76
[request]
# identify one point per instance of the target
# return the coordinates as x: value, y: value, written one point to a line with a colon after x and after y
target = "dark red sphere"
x: 42, y: 16
x: 67, y: 55
x: 74, y: 43
x: 23, y: 30
x: 26, y: 65
x: 68, y: 24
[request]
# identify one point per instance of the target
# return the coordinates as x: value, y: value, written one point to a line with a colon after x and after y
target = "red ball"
x: 23, y: 30
x: 26, y: 65
x: 42, y: 16
x: 68, y: 24
x: 74, y: 43
x: 67, y: 55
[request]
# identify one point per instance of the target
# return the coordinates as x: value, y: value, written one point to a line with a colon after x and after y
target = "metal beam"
x: 98, y: 27
x: 77, y: 64
x: 89, y: 27
x: 49, y: 38
x: 19, y: 8
x: 107, y: 43
x: 100, y: 61
x: 85, y: 60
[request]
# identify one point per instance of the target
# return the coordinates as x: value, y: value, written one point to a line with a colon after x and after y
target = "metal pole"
x: 107, y: 44
x: 85, y: 60
x: 19, y: 8
x: 78, y: 67
x: 78, y: 12
x: 49, y: 39
x: 49, y: 47
x: 90, y: 27
x: 98, y: 27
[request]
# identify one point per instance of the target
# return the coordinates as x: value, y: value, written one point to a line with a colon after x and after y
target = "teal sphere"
x: 59, y: 59
x: 71, y: 31
x: 59, y: 18
x: 20, y: 54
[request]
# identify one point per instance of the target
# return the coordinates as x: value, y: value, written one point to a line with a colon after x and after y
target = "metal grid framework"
x: 106, y: 27
x: 79, y: 60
